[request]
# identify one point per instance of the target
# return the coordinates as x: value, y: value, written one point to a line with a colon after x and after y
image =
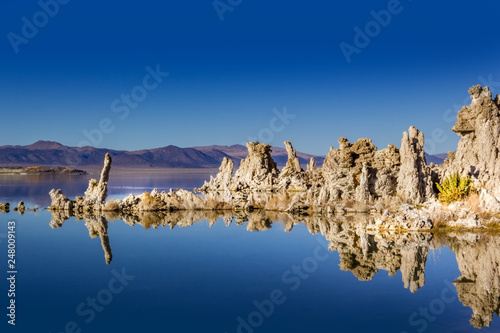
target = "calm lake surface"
x: 214, y: 272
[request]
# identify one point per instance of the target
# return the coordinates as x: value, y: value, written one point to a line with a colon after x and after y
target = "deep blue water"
x: 203, y: 278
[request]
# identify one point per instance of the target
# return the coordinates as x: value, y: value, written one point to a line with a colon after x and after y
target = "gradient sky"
x: 226, y: 77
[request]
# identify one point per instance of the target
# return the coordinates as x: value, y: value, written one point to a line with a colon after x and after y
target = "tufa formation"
x: 356, y: 177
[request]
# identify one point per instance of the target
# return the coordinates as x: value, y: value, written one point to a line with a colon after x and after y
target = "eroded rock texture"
x: 258, y: 171
x: 95, y: 195
x: 414, y: 178
x: 353, y: 172
x: 407, y: 217
x: 478, y: 151
x: 59, y: 201
x: 98, y: 190
x: 342, y: 172
x: 222, y: 180
x: 160, y: 201
x: 358, y: 174
x: 292, y: 177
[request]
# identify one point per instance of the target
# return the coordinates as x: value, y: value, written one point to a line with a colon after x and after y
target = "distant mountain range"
x: 436, y: 159
x: 49, y: 153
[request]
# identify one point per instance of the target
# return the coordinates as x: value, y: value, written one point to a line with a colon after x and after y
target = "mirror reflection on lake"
x: 221, y: 271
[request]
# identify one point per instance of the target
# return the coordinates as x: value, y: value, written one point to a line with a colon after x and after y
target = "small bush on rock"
x: 454, y: 188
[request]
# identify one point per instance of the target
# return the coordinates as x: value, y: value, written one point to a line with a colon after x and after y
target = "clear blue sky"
x: 226, y: 77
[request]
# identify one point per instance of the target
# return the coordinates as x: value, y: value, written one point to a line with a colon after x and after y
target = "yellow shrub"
x: 454, y: 188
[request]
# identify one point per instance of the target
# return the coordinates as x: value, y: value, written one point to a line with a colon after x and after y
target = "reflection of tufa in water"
x: 362, y: 251
x: 478, y: 287
x: 97, y: 225
x: 21, y: 208
x: 4, y: 207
